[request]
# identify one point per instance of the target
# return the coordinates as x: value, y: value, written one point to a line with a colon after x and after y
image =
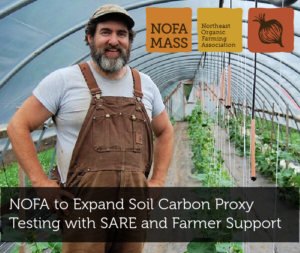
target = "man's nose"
x: 114, y: 41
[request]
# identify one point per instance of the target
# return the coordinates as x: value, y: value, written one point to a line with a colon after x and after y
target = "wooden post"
x: 252, y: 138
x: 218, y: 96
x: 200, y: 94
x: 223, y: 86
x: 272, y: 126
x: 214, y: 92
x: 21, y: 178
x: 242, y: 118
x: 263, y: 121
x: 246, y: 116
x: 234, y: 111
x: 203, y: 95
x: 229, y: 87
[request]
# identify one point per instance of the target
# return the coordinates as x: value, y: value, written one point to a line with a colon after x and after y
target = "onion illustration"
x: 269, y: 31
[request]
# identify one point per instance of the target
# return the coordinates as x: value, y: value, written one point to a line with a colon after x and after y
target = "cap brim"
x: 128, y: 19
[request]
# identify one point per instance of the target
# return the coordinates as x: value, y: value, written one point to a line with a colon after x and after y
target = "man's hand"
x: 155, y: 189
x: 155, y: 183
x: 51, y: 191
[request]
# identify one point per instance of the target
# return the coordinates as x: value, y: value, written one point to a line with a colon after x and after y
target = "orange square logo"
x: 271, y: 30
x: 168, y: 30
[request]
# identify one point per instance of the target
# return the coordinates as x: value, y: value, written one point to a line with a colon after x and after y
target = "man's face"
x: 110, y: 46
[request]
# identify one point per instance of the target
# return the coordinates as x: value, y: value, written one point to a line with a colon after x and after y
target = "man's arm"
x: 163, y: 149
x: 31, y: 115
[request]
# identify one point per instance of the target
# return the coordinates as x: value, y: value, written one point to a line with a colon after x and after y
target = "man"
x: 102, y: 111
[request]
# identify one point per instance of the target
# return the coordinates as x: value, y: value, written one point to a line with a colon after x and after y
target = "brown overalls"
x: 114, y: 149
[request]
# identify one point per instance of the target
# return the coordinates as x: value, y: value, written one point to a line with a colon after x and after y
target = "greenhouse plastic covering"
x: 41, y: 36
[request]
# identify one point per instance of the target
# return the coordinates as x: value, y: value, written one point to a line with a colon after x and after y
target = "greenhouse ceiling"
x: 40, y: 36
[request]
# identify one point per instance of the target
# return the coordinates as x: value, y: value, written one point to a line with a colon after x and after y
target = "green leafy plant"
x: 269, y: 154
x: 172, y: 120
x: 208, y: 162
x: 207, y: 159
x: 31, y: 236
x: 9, y: 174
x: 39, y: 247
x: 9, y: 178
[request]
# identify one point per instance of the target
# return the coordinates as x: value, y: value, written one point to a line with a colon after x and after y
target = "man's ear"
x: 90, y: 38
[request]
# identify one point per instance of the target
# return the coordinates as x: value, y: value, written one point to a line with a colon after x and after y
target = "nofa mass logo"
x: 169, y: 30
x: 271, y: 30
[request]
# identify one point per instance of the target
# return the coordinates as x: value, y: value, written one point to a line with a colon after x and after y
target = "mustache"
x: 109, y: 47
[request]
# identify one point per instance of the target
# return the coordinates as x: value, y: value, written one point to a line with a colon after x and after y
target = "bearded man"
x: 104, y: 113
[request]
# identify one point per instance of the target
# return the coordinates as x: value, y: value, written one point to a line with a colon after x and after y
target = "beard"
x: 109, y: 64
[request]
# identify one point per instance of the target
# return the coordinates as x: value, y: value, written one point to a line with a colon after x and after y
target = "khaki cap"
x: 113, y: 8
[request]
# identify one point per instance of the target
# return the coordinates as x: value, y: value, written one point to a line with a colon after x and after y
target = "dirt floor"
x: 179, y: 175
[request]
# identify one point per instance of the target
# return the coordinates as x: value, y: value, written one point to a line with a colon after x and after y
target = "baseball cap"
x: 113, y: 9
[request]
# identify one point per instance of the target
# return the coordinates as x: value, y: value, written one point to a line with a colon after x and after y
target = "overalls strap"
x: 89, y: 78
x: 137, y: 84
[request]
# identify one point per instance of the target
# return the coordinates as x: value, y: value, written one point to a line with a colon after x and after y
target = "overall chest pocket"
x: 118, y: 132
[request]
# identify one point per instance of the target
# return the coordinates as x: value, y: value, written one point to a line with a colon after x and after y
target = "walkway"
x: 179, y: 175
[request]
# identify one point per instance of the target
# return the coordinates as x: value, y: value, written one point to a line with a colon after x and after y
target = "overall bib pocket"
x: 118, y: 132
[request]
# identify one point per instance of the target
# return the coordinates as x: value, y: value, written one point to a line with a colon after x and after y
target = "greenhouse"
x: 212, y: 122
